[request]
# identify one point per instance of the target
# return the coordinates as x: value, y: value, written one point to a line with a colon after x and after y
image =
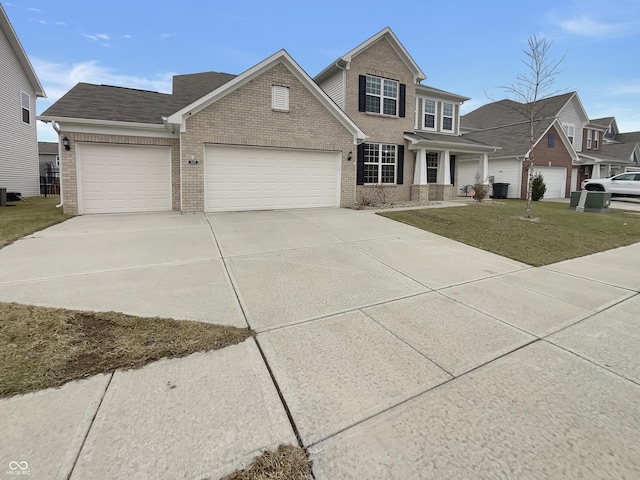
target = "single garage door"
x: 255, y: 178
x: 123, y: 178
x: 555, y: 178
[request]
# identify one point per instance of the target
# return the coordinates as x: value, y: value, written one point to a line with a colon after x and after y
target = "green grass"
x: 558, y: 234
x: 48, y: 347
x: 24, y: 218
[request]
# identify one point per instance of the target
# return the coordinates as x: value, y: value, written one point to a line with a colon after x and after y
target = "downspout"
x: 55, y: 127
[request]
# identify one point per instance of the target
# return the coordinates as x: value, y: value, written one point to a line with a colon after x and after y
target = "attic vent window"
x: 280, y: 98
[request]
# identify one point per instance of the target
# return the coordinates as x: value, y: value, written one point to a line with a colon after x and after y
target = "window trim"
x: 596, y: 140
x: 435, y: 114
x: 382, y: 96
x: 566, y: 127
x: 589, y: 137
x: 23, y: 108
x: 437, y: 158
x: 379, y: 163
x: 452, y: 116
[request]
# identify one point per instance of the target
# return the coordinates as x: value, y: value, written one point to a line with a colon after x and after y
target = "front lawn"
x: 24, y: 218
x: 559, y: 234
x: 47, y: 347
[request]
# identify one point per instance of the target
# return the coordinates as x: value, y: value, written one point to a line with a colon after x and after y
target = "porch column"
x: 483, y: 169
x: 420, y: 174
x: 595, y: 171
x: 444, y: 172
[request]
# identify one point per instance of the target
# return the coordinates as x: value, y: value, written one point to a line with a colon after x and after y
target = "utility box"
x: 596, y: 202
x: 3, y: 197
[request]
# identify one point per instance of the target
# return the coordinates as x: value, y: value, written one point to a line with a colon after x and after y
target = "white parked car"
x: 621, y: 184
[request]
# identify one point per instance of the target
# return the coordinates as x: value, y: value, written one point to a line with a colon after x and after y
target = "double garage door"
x: 255, y: 178
x: 131, y: 178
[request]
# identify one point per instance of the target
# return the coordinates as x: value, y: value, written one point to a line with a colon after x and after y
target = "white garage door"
x: 555, y: 178
x: 502, y: 171
x: 253, y: 178
x: 123, y: 178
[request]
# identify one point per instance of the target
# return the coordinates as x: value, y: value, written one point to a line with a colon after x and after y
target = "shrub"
x: 538, y: 188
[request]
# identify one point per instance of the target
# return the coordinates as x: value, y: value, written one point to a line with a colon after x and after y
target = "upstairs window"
x: 447, y: 117
x: 429, y: 108
x: 382, y: 96
x: 280, y: 98
x: 589, y: 136
x: 379, y: 163
x: 551, y: 140
x: 570, y: 130
x: 26, y: 107
x: 596, y: 140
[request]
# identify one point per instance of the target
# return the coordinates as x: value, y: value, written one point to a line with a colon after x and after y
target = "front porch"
x: 435, y: 164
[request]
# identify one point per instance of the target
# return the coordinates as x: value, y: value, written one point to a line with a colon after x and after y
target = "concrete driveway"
x: 387, y: 351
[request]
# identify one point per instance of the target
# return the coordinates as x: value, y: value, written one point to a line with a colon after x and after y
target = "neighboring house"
x: 561, y: 130
x: 268, y: 138
x: 18, y: 136
x: 412, y: 129
x: 48, y: 158
x: 620, y: 151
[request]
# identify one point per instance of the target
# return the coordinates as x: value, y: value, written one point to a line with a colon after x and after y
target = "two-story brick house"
x: 412, y: 129
x: 269, y: 138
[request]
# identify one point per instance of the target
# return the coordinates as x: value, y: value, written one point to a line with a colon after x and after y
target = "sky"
x: 470, y: 48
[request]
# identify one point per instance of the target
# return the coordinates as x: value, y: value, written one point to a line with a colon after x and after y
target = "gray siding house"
x: 19, y: 170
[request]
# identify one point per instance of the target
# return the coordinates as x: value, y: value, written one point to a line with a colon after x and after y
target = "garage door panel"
x: 120, y: 179
x: 252, y: 178
x: 555, y: 179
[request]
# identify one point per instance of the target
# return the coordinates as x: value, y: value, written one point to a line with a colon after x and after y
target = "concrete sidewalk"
x: 390, y: 352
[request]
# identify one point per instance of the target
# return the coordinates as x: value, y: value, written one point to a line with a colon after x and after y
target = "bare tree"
x: 530, y: 87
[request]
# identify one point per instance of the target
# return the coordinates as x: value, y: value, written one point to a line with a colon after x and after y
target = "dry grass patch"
x: 21, y: 218
x: 558, y: 233
x: 48, y: 347
x: 285, y: 463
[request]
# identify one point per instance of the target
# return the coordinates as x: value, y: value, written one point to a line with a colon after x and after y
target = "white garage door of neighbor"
x: 555, y: 178
x: 123, y: 178
x: 254, y: 178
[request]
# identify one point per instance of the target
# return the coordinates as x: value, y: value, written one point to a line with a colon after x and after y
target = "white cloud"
x: 58, y: 78
x: 631, y: 88
x: 97, y: 37
x: 586, y: 26
x: 127, y: 37
x: 37, y: 10
x: 62, y: 24
x: 102, y: 36
x: 166, y: 35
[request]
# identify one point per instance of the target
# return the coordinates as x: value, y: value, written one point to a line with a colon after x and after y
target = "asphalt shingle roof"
x: 513, y: 139
x: 104, y: 102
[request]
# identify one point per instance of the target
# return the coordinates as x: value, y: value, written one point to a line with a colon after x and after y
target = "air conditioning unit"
x: 491, y: 179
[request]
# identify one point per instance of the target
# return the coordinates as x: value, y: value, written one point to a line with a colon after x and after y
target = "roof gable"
x: 12, y: 37
x: 179, y: 117
x: 395, y: 44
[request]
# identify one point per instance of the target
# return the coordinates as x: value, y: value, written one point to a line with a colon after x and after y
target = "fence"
x: 50, y: 182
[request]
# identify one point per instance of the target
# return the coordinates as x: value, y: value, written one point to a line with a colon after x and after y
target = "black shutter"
x: 362, y: 93
x: 360, y: 165
x: 403, y: 100
x: 400, y: 169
